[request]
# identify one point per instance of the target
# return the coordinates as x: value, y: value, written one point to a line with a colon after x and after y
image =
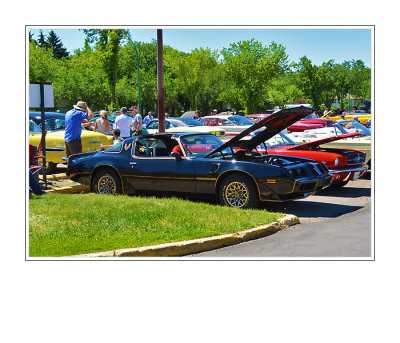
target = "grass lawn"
x: 71, y: 224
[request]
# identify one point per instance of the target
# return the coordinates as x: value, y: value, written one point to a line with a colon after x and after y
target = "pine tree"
x: 54, y: 43
x: 42, y: 41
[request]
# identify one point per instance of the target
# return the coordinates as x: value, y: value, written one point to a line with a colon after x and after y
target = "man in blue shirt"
x: 73, y: 121
x: 148, y: 118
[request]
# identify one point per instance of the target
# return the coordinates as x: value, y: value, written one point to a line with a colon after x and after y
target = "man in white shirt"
x: 124, y: 122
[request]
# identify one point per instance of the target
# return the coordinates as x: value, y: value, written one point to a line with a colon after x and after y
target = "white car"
x: 232, y: 124
x: 342, y: 127
x: 178, y: 125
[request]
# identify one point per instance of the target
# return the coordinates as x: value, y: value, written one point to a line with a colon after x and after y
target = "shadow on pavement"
x: 310, y: 209
x: 345, y: 192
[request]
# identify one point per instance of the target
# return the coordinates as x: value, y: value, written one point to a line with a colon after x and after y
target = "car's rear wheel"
x: 238, y: 191
x: 106, y: 181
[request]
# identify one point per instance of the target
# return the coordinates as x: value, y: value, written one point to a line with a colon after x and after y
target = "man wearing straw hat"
x: 73, y: 121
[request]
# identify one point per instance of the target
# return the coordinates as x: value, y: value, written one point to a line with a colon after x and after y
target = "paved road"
x: 334, y: 223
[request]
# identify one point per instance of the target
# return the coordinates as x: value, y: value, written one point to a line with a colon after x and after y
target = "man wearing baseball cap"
x: 137, y: 121
x: 73, y: 129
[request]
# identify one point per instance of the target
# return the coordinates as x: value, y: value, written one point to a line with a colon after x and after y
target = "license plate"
x: 356, y: 175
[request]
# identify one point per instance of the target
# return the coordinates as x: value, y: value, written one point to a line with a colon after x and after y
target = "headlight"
x: 337, y: 162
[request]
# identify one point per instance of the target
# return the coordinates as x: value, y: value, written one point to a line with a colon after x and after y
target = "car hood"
x: 272, y: 125
x: 319, y: 142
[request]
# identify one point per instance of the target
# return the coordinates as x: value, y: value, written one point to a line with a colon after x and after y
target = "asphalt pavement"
x: 334, y: 224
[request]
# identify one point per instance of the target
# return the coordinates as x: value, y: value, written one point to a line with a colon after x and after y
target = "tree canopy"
x: 247, y: 75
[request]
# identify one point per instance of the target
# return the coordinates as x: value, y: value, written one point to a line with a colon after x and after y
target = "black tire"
x: 238, y: 191
x: 106, y: 181
x: 339, y: 184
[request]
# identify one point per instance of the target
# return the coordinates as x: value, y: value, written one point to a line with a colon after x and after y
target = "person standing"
x: 73, y: 127
x: 148, y: 118
x: 137, y: 122
x: 214, y: 112
x: 102, y: 124
x: 124, y: 122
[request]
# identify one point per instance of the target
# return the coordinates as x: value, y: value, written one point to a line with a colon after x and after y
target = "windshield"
x: 310, y: 116
x: 185, y: 122
x: 350, y: 126
x: 200, y: 145
x: 54, y: 124
x: 278, y: 140
x: 33, y: 127
x: 240, y: 121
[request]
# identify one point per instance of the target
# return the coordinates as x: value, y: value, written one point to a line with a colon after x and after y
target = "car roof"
x: 37, y: 116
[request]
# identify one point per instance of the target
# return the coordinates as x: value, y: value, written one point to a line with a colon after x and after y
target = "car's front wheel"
x: 238, y: 191
x: 106, y: 181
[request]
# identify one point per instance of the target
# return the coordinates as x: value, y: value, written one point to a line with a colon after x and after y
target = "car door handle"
x: 132, y: 163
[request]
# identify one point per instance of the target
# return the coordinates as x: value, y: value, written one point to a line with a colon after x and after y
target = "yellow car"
x: 363, y: 117
x: 55, y: 145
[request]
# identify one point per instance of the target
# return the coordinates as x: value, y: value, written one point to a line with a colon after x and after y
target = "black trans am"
x: 201, y: 163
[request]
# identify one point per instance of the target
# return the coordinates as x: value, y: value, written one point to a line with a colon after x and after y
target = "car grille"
x: 308, y: 170
x: 355, y: 157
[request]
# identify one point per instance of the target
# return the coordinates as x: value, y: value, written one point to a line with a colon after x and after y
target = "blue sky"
x: 318, y: 44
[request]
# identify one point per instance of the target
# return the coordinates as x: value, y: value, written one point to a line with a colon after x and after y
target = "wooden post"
x: 160, y: 78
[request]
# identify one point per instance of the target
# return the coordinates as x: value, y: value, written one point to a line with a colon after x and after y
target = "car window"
x: 54, y: 124
x: 115, y: 148
x: 150, y: 147
x: 239, y: 120
x: 152, y: 125
x: 200, y: 145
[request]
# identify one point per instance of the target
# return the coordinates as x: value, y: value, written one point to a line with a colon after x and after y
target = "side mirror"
x: 177, y: 155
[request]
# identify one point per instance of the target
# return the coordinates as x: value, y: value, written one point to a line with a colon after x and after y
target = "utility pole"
x: 160, y: 78
x: 43, y: 120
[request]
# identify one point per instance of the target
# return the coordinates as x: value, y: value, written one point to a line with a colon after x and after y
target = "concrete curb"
x: 59, y: 176
x: 199, y: 245
x: 69, y: 189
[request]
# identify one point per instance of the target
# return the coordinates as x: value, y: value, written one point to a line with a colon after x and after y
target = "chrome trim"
x: 348, y: 170
x: 94, y: 142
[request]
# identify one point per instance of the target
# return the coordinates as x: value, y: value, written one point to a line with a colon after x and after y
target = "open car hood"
x: 319, y: 142
x: 272, y: 125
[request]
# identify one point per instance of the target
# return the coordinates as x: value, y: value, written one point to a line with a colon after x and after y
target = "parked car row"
x: 256, y: 164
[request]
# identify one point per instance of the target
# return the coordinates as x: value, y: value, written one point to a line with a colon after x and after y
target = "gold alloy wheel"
x: 236, y: 194
x: 107, y: 185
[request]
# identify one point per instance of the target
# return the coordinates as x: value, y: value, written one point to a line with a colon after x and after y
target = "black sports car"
x: 202, y: 163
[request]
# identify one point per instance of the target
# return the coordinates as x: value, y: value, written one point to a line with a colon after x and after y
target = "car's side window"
x: 150, y: 147
x: 153, y: 125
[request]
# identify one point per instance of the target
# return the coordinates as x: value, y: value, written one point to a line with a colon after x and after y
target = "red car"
x: 344, y: 164
x: 308, y: 123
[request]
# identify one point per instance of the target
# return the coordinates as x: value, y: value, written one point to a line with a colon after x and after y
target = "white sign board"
x: 34, y: 96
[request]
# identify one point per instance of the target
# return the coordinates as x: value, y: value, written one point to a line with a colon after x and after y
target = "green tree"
x: 283, y: 91
x: 194, y: 76
x: 342, y: 80
x: 55, y: 44
x: 326, y: 78
x: 248, y: 67
x: 108, y: 41
x: 42, y: 66
x: 42, y: 42
x: 309, y: 80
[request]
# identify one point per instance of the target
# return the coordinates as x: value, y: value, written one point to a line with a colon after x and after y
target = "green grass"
x: 71, y: 224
